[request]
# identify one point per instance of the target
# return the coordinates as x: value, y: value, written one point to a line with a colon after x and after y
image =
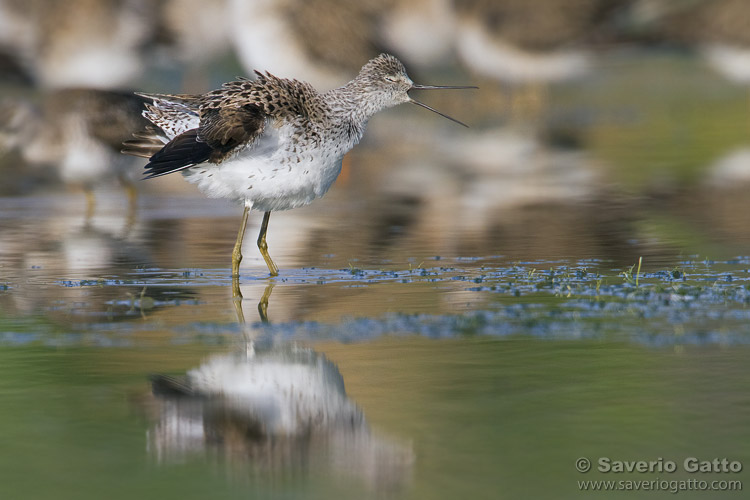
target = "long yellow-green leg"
x: 263, y: 246
x: 263, y: 304
x: 237, y: 252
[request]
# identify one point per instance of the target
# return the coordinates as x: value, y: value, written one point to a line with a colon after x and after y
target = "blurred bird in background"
x: 77, y: 133
x: 80, y: 43
x: 717, y: 30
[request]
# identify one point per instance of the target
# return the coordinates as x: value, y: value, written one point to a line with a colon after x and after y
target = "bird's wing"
x: 171, y: 115
x: 229, y: 119
x: 221, y: 131
x: 180, y: 153
x: 228, y: 127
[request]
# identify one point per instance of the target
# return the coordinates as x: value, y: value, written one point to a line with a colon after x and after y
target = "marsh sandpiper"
x: 270, y: 143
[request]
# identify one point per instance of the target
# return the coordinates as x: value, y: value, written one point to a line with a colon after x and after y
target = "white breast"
x: 274, y: 173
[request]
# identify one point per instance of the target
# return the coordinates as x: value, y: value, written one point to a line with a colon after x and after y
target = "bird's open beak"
x: 437, y: 87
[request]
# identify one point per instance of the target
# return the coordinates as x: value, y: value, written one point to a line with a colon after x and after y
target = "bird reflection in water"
x: 273, y: 411
x: 262, y: 304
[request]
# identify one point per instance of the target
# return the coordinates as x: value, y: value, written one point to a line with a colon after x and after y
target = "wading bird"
x: 270, y: 143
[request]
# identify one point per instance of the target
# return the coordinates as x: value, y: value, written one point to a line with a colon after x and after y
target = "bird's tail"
x: 171, y: 115
x: 145, y: 143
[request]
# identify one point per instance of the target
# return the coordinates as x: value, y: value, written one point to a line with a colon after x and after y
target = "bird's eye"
x: 389, y: 78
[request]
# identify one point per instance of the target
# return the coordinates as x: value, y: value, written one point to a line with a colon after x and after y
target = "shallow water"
x: 478, y: 374
x: 497, y: 304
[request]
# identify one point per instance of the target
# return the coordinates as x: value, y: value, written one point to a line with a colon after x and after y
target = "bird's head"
x: 384, y: 78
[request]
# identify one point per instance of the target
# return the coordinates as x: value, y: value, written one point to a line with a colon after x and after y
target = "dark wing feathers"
x: 182, y: 152
x: 230, y: 118
x: 220, y: 132
x: 225, y: 128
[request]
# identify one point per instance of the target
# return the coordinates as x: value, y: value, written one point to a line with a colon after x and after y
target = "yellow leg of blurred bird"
x: 132, y: 194
x: 263, y: 246
x: 237, y: 252
x: 90, y: 201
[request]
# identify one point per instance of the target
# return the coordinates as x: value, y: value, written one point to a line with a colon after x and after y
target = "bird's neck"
x: 353, y: 104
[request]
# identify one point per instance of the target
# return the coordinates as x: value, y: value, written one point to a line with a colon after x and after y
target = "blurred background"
x: 603, y: 132
x: 625, y: 121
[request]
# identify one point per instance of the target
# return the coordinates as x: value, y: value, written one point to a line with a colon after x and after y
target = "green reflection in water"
x: 487, y: 418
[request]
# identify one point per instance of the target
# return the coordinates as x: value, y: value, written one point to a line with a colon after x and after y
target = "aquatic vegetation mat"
x: 693, y: 302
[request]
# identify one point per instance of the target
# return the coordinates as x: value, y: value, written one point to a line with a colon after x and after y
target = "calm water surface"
x: 478, y: 295
x: 478, y: 374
